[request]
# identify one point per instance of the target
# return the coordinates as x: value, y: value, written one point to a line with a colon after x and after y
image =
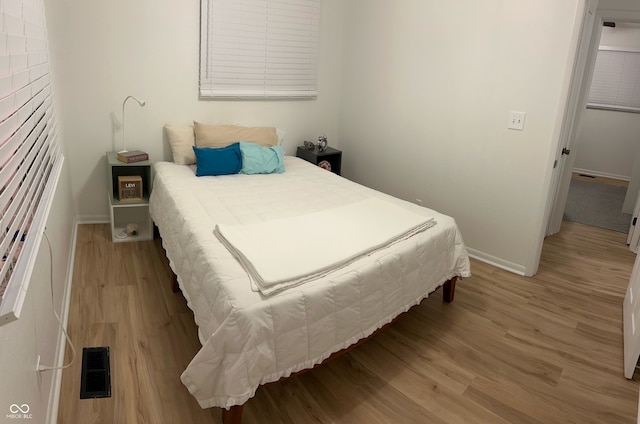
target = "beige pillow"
x: 181, y: 139
x: 222, y: 135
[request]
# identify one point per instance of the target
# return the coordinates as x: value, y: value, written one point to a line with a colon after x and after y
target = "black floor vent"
x: 96, y: 373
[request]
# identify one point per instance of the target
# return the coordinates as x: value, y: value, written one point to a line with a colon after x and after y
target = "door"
x: 633, y: 238
x: 638, y: 409
x: 631, y: 321
x: 577, y: 102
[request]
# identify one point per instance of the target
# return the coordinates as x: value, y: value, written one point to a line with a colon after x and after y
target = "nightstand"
x: 129, y: 211
x: 315, y: 156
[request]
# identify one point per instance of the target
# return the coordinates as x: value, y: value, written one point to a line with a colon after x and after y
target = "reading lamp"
x: 141, y: 103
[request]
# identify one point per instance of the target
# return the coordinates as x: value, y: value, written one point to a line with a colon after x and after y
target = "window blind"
x: 259, y: 48
x: 30, y: 157
x: 616, y: 81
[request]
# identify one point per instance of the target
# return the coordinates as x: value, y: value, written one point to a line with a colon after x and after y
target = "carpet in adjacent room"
x: 597, y: 204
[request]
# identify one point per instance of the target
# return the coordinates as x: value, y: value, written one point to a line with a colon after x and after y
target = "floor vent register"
x: 96, y: 373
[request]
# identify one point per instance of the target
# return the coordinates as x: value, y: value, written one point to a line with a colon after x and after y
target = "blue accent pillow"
x: 257, y: 159
x: 222, y: 161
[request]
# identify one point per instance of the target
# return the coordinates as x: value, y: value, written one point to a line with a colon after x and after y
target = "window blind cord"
x: 39, y: 366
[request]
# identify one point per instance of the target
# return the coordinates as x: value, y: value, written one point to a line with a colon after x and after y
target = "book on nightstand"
x: 132, y: 156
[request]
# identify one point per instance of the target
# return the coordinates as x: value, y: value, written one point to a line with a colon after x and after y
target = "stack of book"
x: 132, y: 156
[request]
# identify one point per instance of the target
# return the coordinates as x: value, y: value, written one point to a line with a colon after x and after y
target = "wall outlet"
x: 516, y: 120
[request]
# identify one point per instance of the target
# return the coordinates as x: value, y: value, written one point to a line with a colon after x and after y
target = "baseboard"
x: 601, y: 174
x: 497, y: 262
x: 92, y: 219
x: 56, y: 384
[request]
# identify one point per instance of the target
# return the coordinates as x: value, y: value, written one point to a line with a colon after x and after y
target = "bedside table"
x: 129, y: 211
x: 315, y: 156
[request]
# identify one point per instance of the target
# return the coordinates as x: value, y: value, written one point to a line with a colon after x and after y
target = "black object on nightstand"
x: 317, y: 157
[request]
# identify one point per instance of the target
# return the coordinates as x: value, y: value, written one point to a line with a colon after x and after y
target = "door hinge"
x: 555, y: 163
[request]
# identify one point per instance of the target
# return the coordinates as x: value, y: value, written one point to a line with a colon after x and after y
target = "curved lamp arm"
x: 141, y: 103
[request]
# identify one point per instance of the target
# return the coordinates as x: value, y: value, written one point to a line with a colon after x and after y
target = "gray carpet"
x: 597, y: 204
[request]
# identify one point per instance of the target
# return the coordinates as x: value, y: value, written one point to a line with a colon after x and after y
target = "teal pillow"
x: 257, y: 159
x: 222, y: 161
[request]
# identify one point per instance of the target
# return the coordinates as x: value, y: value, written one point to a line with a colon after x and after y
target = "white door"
x: 631, y: 321
x: 576, y: 105
x: 639, y: 409
x: 633, y: 238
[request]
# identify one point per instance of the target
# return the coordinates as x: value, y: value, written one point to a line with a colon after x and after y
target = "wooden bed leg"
x: 174, y: 284
x: 232, y: 415
x: 449, y: 290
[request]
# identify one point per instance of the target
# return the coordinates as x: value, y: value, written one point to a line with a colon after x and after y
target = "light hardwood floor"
x: 509, y: 349
x: 603, y: 180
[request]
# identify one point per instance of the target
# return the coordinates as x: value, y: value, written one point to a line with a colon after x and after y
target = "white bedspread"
x: 307, y: 247
x: 249, y: 339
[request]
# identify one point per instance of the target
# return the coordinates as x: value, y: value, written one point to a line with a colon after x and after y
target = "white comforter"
x: 362, y: 228
x: 249, y: 339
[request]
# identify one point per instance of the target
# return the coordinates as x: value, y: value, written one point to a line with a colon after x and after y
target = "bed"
x: 249, y: 338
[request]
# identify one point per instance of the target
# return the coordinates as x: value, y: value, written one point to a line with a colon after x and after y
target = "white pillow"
x: 222, y: 135
x: 280, y: 133
x: 182, y: 139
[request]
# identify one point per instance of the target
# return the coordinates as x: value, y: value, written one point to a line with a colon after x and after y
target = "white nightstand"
x: 126, y: 212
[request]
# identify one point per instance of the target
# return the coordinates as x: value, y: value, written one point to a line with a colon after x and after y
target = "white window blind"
x: 30, y: 158
x: 259, y: 48
x: 616, y: 81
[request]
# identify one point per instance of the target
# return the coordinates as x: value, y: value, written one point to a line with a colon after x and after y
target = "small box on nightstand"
x: 129, y: 188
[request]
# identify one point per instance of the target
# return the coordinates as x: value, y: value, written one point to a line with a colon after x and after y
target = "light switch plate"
x: 516, y: 120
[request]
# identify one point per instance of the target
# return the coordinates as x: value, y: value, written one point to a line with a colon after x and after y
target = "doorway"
x: 578, y: 117
x: 608, y: 141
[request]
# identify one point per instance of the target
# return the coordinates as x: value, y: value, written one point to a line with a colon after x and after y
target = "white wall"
x: 621, y: 5
x: 608, y: 143
x: 105, y: 51
x: 625, y: 36
x: 428, y: 86
x: 610, y: 140
x: 37, y: 332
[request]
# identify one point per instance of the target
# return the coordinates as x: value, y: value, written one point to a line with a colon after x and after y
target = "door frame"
x: 568, y: 118
x: 575, y: 110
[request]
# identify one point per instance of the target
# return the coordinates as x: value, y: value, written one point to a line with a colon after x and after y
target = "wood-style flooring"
x: 509, y: 349
x: 598, y: 179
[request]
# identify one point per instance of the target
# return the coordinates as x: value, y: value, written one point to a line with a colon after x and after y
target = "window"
x: 616, y: 81
x: 259, y: 48
x: 30, y: 158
